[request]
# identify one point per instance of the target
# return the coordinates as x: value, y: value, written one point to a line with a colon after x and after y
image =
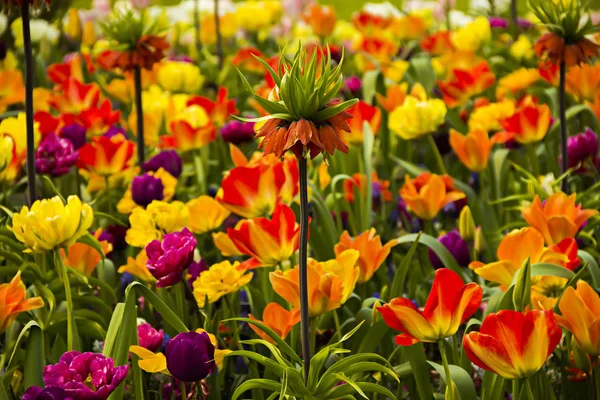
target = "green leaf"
x: 251, y: 384
x: 269, y: 364
x: 369, y: 85
x: 592, y: 266
x: 439, y: 249
x: 90, y: 240
x: 49, y: 185
x: 345, y: 390
x: 545, y: 269
x: 113, y: 329
x: 460, y: 377
x: 571, y: 113
x: 418, y: 362
x: 329, y: 112
x: 402, y: 270
x: 32, y: 371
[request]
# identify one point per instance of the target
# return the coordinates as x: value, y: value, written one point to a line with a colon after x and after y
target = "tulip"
x: 353, y: 84
x: 417, y: 117
x: 83, y: 257
x: 158, y: 219
x: 219, y: 110
x: 473, y: 149
x: 225, y: 245
x: 149, y: 338
x: 51, y: 224
x: 372, y: 253
x: 362, y: 112
x: 190, y: 356
x: 13, y: 301
x: 456, y: 246
x: 330, y: 283
x: 106, y: 156
x: 206, y: 214
x: 427, y: 194
x: 220, y: 279
x: 466, y: 83
x: 558, y: 218
x: 191, y: 129
x: 322, y: 19
x: 51, y: 393
x: 75, y: 133
x: 237, y: 132
x: 280, y: 320
x: 379, y: 189
x: 55, y: 156
x: 179, y: 76
x: 137, y: 267
x: 580, y: 310
x: 146, y: 188
x: 268, y: 242
x: 512, y: 344
x: 85, y: 376
x: 466, y: 224
x: 529, y: 123
x: 73, y: 26
x: 167, y: 259
x: 582, y: 81
x: 472, y: 36
x: 168, y: 160
x: 450, y: 303
x: 517, y: 82
x: 582, y: 147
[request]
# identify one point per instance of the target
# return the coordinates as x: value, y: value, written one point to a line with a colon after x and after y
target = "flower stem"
x: 183, y: 392
x: 303, y: 267
x: 218, y: 33
x: 563, y: 123
x: 200, y: 172
x: 533, y: 160
x: 338, y: 328
x: 180, y: 300
x: 513, y: 18
x: 438, y: 156
x: 449, y: 394
x: 197, y: 28
x: 515, y: 389
x: 596, y: 373
x: 527, y: 388
x: 29, y: 102
x: 61, y: 269
x: 139, y: 110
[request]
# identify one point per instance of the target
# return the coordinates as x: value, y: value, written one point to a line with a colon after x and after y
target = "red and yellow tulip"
x: 428, y: 193
x: 268, y: 242
x: 322, y: 19
x: 529, y: 123
x: 13, y: 301
x: 512, y: 344
x: 381, y: 189
x: 558, y: 217
x: 75, y: 97
x: 362, y: 112
x: 220, y: 110
x: 449, y: 304
x: 466, y: 83
x: 107, y: 156
x: 190, y: 130
x: 278, y: 319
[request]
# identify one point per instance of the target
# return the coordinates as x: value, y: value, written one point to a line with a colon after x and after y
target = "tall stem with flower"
x: 29, y: 69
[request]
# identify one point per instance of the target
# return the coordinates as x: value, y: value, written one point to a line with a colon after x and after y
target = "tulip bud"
x: 375, y: 315
x: 479, y: 241
x: 466, y: 224
x: 522, y: 288
x: 73, y: 26
x: 580, y: 358
x: 89, y: 34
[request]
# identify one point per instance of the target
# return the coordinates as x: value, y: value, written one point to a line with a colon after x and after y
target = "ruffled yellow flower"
x: 471, y: 36
x: 158, y: 219
x: 126, y: 204
x: 416, y: 118
x: 219, y: 280
x: 51, y: 224
x: 179, y: 76
x: 488, y: 117
x: 206, y: 214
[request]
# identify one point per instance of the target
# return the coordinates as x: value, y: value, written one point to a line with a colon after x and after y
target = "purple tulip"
x: 190, y: 356
x: 457, y: 247
x: 498, y: 22
x: 146, y: 188
x: 52, y: 393
x: 237, y: 132
x: 115, y: 130
x: 195, y: 269
x: 168, y: 160
x: 353, y: 84
x: 74, y: 133
x: 168, y: 259
x: 582, y: 147
x: 115, y: 235
x: 85, y: 376
x: 55, y: 155
x: 149, y: 338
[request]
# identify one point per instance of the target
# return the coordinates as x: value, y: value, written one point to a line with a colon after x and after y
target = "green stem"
x: 219, y: 43
x: 449, y: 394
x: 438, y: 156
x: 562, y: 107
x: 183, y: 392
x: 107, y: 194
x: 596, y: 373
x: 61, y: 269
x: 527, y: 388
x: 338, y: 328
x: 313, y: 336
x: 516, y: 389
x: 139, y: 109
x: 200, y: 172
x: 533, y: 160
x: 180, y: 301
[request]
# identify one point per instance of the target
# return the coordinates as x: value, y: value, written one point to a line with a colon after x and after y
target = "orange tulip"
x: 362, y: 112
x: 581, y: 316
x: 449, y: 304
x: 369, y: 23
x: 529, y: 123
x: 330, y: 283
x: 83, y: 257
x: 75, y: 97
x: 512, y: 253
x: 253, y: 190
x: 473, y: 149
x: 428, y: 193
x: 268, y: 242
x: 516, y: 82
x: 380, y: 192
x: 372, y: 253
x: 583, y: 81
x: 437, y: 43
x: 466, y: 83
x: 558, y: 218
x: 106, y: 156
x: 11, y: 89
x: 219, y: 110
x: 277, y: 318
x: 13, y: 301
x: 322, y: 19
x: 512, y: 344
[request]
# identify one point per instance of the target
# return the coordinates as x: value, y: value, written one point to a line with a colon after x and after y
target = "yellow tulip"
x: 219, y: 280
x: 179, y: 76
x: 471, y: 36
x: 155, y: 221
x: 137, y: 267
x: 89, y: 34
x: 206, y: 214
x: 416, y: 118
x: 73, y: 26
x: 51, y: 224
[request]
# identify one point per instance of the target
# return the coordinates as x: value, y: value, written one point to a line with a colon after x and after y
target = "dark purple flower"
x: 149, y: 338
x: 581, y: 147
x: 115, y: 235
x: 498, y: 22
x: 195, y: 269
x: 75, y: 133
x: 168, y: 160
x: 146, y: 188
x: 237, y: 132
x: 457, y: 247
x: 85, y: 376
x: 55, y: 155
x: 525, y: 23
x: 168, y: 259
x: 190, y: 356
x: 353, y: 84
x: 115, y: 130
x: 51, y: 393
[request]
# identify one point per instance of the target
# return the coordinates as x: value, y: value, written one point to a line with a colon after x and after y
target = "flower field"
x: 286, y: 199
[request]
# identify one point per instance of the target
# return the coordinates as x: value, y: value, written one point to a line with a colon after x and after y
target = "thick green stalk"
x: 438, y: 156
x: 29, y: 68
x: 303, y: 267
x: 450, y: 387
x: 61, y: 269
x: 563, y: 124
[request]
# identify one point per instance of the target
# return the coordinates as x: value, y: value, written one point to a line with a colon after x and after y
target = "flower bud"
x: 580, y: 358
x: 466, y: 224
x: 522, y: 288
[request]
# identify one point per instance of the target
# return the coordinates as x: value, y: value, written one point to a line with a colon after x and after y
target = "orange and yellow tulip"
x: 512, y: 344
x: 466, y: 83
x: 330, y: 283
x: 372, y: 253
x: 583, y: 81
x: 107, y: 156
x: 13, y: 301
x: 381, y: 189
x: 278, y: 319
x: 449, y: 304
x: 12, y: 89
x: 362, y: 112
x: 516, y: 82
x: 472, y: 149
x: 428, y: 193
x: 580, y: 310
x: 206, y: 214
x: 190, y: 130
x: 220, y: 110
x: 75, y: 97
x: 512, y: 252
x: 558, y: 218
x: 529, y: 123
x: 322, y: 19
x: 268, y: 242
x: 83, y: 257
